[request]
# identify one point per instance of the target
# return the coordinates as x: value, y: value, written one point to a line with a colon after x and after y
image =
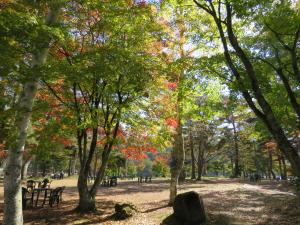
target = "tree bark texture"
x: 12, y: 177
x: 192, y: 153
x: 177, y: 161
x: 237, y: 172
x: 200, y: 166
x: 25, y: 166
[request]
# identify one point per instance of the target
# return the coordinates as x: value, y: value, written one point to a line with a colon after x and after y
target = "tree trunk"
x: 70, y: 165
x: 87, y: 196
x: 87, y: 201
x: 12, y: 176
x: 271, y: 173
x: 25, y: 166
x: 236, y: 148
x: 266, y: 113
x: 74, y: 162
x: 202, y: 146
x: 284, y: 168
x: 193, y: 164
x: 126, y: 167
x: 35, y: 168
x: 192, y: 154
x: 177, y: 157
x: 280, y: 165
x: 204, y: 172
x: 95, y: 164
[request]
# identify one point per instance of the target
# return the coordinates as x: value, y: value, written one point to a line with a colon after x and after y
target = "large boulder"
x: 189, y: 208
x: 124, y: 211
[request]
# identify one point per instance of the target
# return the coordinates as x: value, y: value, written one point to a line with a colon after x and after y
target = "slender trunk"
x: 74, y: 162
x: 70, y: 164
x: 231, y: 165
x: 284, y: 168
x: 202, y: 146
x: 280, y: 166
x: 192, y: 154
x: 95, y: 164
x: 193, y: 164
x: 271, y: 173
x: 177, y: 156
x: 126, y: 167
x: 290, y: 93
x: 44, y: 167
x: 182, y: 175
x: 35, y: 168
x: 236, y: 148
x: 255, y: 159
x: 295, y: 61
x: 25, y: 166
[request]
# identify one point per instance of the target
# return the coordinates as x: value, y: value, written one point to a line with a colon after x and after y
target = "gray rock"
x: 189, y: 208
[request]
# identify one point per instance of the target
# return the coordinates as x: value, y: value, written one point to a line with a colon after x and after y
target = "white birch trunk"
x: 12, y: 175
x: 13, y: 214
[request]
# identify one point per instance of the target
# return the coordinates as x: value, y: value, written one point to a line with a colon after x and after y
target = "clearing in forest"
x: 226, y: 201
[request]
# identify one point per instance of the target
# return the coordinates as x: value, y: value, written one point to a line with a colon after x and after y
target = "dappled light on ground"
x: 226, y: 202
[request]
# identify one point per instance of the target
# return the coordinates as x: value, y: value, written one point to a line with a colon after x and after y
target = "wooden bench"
x: 45, y: 183
x: 26, y: 196
x: 30, y: 184
x: 56, y: 196
x: 113, y: 181
x: 145, y: 179
x: 109, y: 182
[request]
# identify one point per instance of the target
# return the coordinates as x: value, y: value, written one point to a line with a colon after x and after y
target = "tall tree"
x: 118, y: 65
x: 11, y: 15
x: 241, y: 60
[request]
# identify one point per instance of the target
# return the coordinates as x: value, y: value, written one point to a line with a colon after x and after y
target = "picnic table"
x: 49, y: 194
x: 146, y: 179
x: 109, y: 182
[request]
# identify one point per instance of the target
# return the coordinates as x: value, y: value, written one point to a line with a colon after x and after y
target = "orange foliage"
x: 172, y: 85
x: 3, y: 154
x: 64, y: 141
x: 133, y: 152
x: 171, y: 122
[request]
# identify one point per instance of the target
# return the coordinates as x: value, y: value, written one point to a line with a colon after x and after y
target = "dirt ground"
x: 226, y: 202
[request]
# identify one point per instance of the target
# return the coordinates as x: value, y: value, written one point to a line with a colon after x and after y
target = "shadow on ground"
x: 265, y: 203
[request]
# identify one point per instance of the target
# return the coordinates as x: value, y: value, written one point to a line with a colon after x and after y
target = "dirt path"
x: 226, y: 202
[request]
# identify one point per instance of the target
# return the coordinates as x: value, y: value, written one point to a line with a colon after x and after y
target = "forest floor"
x: 227, y: 201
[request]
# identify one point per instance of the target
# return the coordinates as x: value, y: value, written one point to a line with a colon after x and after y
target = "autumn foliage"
x: 3, y: 153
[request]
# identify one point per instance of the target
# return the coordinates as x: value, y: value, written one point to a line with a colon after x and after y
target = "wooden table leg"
x: 37, y: 198
x: 45, y: 196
